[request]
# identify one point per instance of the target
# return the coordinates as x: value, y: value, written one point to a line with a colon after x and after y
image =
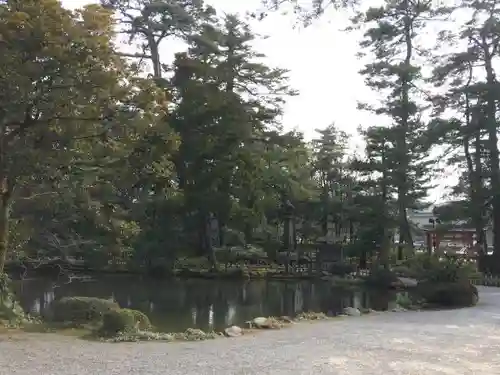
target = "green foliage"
x: 11, y: 312
x: 404, y: 301
x: 448, y: 271
x: 142, y: 321
x: 122, y: 170
x: 381, y: 278
x: 433, y: 269
x: 80, y: 310
x: 341, y: 269
x: 448, y: 294
x: 118, y: 321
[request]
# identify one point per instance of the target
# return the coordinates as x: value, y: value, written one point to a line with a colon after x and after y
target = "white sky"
x: 323, y: 68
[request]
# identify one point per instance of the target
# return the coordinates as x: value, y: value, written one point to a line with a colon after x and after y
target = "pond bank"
x: 174, y: 306
x: 433, y: 342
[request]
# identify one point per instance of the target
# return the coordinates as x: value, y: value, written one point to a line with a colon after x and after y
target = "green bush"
x: 10, y: 310
x: 405, y: 271
x: 448, y: 294
x: 192, y: 263
x: 431, y: 268
x: 80, y: 310
x: 448, y: 271
x: 419, y: 263
x: 381, y: 277
x: 233, y: 237
x: 118, y: 321
x: 142, y: 321
x: 341, y: 269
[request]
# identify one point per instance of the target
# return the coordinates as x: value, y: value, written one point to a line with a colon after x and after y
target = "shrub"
x: 381, y: 277
x: 404, y: 301
x: 80, y: 310
x: 404, y: 271
x: 448, y: 271
x: 117, y: 321
x: 341, y: 269
x: 233, y: 237
x: 418, y: 264
x: 193, y: 263
x: 448, y: 294
x: 10, y: 310
x: 431, y: 268
x: 142, y: 321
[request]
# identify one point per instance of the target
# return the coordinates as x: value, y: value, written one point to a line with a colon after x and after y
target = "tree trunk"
x: 475, y: 173
x: 385, y: 245
x: 5, y: 202
x: 205, y: 239
x: 404, y: 227
x: 4, y: 225
x: 155, y: 56
x: 494, y: 154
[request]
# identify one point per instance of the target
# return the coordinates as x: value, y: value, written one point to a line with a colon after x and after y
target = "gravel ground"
x: 465, y: 341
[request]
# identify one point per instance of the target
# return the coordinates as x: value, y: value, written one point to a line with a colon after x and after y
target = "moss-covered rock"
x: 142, y: 321
x: 311, y: 315
x: 123, y: 321
x: 194, y: 334
x: 448, y: 294
x: 80, y: 310
x: 115, y: 322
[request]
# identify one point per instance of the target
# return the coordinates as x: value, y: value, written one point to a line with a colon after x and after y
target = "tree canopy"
x: 106, y: 152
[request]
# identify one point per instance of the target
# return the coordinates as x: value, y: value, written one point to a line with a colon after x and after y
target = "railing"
x: 486, y: 280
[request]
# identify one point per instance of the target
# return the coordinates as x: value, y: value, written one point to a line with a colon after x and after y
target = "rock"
x: 286, y: 319
x: 233, y: 331
x: 262, y: 322
x: 407, y: 282
x: 351, y: 311
x: 398, y: 309
x: 194, y: 334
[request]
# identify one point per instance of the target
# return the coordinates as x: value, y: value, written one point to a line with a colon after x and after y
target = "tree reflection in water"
x: 206, y: 304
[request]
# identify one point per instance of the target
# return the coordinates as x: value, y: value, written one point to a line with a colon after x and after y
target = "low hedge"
x: 80, y: 310
x: 448, y: 294
x: 119, y: 321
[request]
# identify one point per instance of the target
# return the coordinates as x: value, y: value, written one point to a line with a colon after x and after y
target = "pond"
x: 176, y: 305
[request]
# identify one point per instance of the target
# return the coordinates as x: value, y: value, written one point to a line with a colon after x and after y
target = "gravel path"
x: 465, y: 341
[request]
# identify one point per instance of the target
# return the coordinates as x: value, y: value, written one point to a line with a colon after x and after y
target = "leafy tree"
x: 59, y: 76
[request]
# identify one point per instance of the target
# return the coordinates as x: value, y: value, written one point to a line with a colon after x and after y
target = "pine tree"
x: 391, y: 33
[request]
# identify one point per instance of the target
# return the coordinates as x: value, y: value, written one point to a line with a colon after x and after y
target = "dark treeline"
x: 100, y: 158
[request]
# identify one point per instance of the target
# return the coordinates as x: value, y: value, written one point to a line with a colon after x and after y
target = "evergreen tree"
x: 390, y: 35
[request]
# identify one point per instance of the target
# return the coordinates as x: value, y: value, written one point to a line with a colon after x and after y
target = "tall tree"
x: 391, y: 36
x: 378, y: 170
x: 331, y: 171
x: 226, y: 98
x: 59, y: 73
x: 150, y: 23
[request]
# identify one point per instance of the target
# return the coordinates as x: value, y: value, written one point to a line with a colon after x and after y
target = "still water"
x: 205, y: 304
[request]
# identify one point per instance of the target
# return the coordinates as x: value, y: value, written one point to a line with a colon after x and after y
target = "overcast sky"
x: 322, y: 64
x: 323, y: 68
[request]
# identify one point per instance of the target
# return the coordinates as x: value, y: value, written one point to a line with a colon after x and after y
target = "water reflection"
x: 176, y: 305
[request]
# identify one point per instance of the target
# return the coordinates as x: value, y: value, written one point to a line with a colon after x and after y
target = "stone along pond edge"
x: 259, y: 324
x: 253, y: 326
x: 104, y: 320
